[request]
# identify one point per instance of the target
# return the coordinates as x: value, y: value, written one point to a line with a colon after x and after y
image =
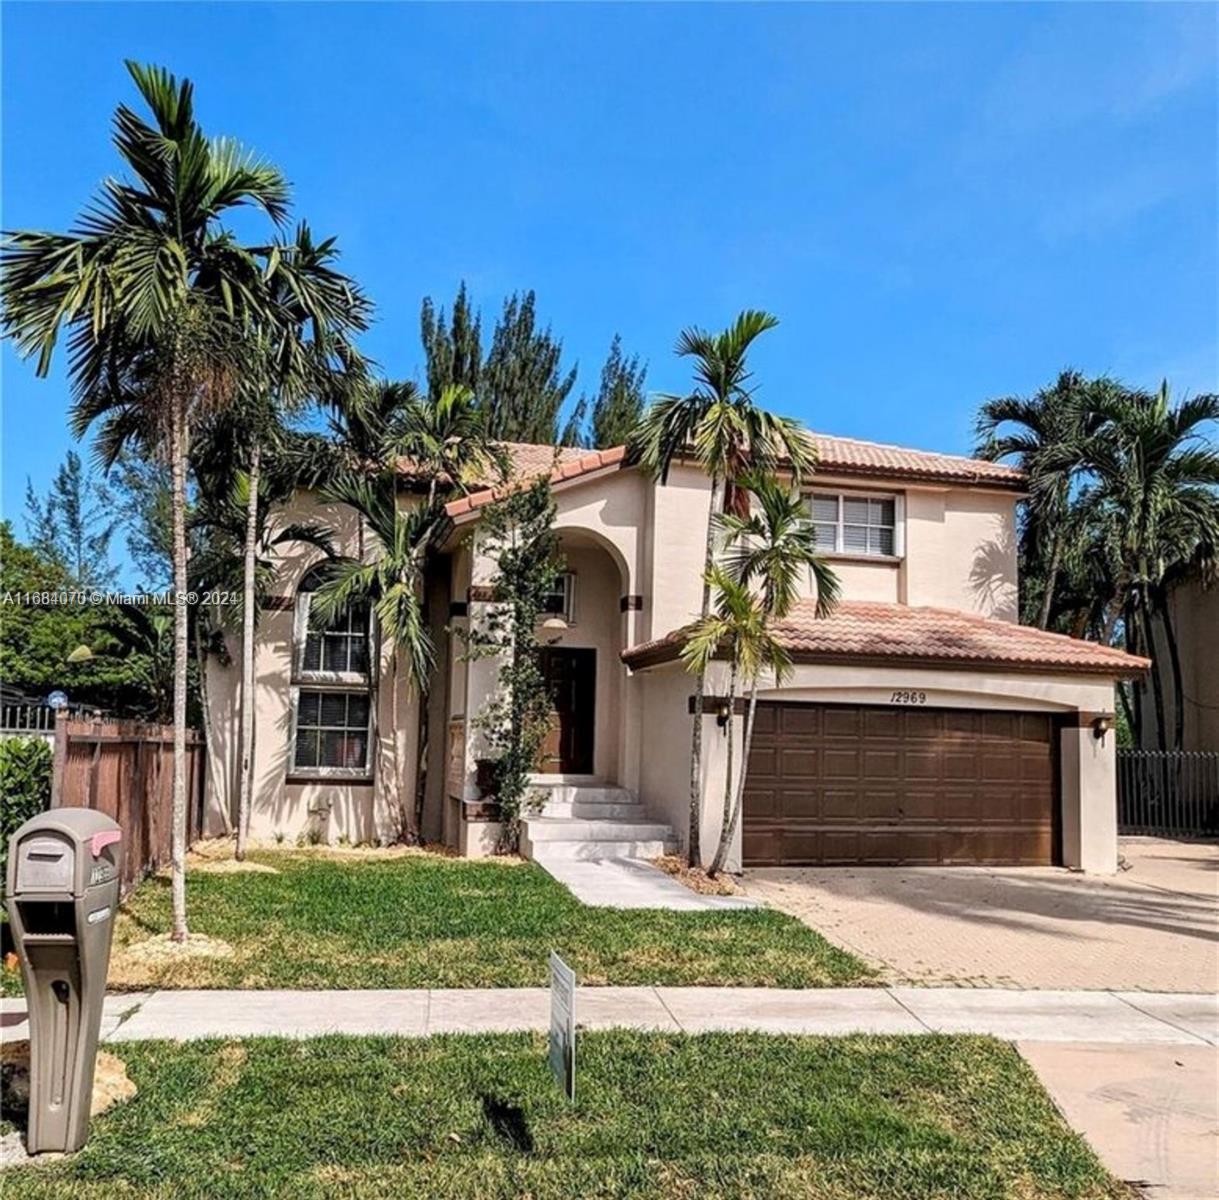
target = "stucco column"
x: 482, y: 671
x: 1089, y: 799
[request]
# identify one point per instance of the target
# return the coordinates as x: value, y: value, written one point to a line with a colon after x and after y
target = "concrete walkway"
x: 1151, y: 1113
x: 1098, y: 1017
x: 630, y: 883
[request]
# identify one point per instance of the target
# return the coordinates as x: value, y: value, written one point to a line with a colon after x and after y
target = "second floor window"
x: 855, y: 524
x: 332, y: 650
x: 332, y: 688
x: 559, y: 600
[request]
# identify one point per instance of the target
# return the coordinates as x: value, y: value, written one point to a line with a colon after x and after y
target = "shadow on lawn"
x: 508, y: 1121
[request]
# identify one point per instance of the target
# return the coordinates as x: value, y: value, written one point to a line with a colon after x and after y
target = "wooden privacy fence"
x: 125, y: 769
x: 1168, y: 793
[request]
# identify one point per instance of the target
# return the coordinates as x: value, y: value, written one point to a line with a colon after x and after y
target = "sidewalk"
x: 1031, y: 1016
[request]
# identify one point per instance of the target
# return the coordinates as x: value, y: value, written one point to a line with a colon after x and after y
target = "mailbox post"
x: 63, y: 890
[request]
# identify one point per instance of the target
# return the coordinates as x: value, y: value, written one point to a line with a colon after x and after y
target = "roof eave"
x: 670, y: 651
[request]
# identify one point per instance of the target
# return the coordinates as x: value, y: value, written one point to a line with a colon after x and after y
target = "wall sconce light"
x: 554, y: 622
x: 722, y: 713
x: 1101, y: 726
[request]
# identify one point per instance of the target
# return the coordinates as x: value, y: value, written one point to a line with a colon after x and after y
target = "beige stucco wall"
x: 1194, y: 609
x: 1089, y: 810
x: 958, y: 550
x: 329, y: 810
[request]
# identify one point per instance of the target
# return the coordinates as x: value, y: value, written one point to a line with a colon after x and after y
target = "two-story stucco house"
x: 922, y: 724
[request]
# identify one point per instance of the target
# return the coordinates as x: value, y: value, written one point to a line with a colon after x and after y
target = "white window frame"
x: 300, y: 630
x: 350, y: 682
x: 569, y: 598
x: 363, y: 773
x: 840, y: 494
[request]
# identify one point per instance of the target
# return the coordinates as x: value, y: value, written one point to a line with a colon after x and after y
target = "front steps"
x: 590, y: 821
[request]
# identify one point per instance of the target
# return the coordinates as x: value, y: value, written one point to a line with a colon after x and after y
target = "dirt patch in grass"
x: 381, y: 853
x: 111, y: 1083
x: 230, y: 866
x: 696, y: 879
x: 229, y: 1063
x: 149, y: 962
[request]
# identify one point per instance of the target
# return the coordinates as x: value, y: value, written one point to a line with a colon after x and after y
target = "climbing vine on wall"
x: 517, y: 533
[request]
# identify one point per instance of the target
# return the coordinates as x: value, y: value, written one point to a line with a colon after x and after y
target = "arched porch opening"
x: 582, y: 639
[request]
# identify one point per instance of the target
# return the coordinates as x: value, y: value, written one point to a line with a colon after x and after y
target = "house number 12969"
x: 908, y: 698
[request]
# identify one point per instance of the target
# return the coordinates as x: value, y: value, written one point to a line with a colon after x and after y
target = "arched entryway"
x: 581, y: 639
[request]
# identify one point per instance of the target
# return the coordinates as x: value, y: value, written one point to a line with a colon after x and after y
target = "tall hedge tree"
x: 159, y: 299
x: 618, y: 404
x: 74, y: 523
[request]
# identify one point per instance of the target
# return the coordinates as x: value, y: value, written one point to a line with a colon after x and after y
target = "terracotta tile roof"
x: 853, y: 457
x: 531, y: 461
x: 870, y: 633
x: 835, y: 456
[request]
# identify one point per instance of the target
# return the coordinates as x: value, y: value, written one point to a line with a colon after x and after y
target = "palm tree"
x: 220, y: 562
x: 160, y: 300
x: 739, y: 629
x: 1035, y: 431
x: 727, y: 434
x: 305, y: 343
x: 445, y: 439
x: 391, y: 584
x: 1157, y: 485
x: 775, y: 548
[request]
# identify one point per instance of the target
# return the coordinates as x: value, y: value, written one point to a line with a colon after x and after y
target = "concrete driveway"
x: 1152, y: 927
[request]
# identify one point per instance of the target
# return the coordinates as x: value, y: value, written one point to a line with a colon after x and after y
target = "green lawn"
x: 330, y: 921
x: 656, y: 1115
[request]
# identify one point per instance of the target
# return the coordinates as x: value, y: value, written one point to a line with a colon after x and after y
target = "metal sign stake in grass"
x: 563, y: 1025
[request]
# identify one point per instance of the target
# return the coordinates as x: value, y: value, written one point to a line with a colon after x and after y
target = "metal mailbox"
x: 62, y: 893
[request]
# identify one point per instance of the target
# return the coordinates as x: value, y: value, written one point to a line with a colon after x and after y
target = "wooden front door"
x: 571, y: 679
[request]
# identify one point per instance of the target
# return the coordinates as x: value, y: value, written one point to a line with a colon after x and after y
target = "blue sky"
x: 941, y: 203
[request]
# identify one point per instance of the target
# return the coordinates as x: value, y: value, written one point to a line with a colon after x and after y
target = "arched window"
x: 332, y: 692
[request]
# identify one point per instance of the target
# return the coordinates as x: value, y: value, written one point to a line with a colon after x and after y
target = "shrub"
x: 25, y: 784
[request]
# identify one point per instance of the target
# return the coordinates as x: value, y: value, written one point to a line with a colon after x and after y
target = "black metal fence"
x: 1168, y: 793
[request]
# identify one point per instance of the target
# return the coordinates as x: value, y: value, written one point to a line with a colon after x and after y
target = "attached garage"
x: 839, y: 784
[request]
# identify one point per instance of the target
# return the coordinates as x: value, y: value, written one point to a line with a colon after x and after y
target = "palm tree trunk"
x: 718, y: 861
x: 1119, y: 601
x: 1178, y: 686
x: 406, y: 812
x: 1124, y: 699
x: 728, y: 832
x: 1136, y: 687
x: 693, y: 848
x: 1047, y: 600
x: 248, y: 703
x: 177, y: 455
x: 1157, y: 684
x: 208, y: 738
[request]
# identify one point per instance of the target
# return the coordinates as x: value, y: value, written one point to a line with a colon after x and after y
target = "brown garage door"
x: 840, y: 784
